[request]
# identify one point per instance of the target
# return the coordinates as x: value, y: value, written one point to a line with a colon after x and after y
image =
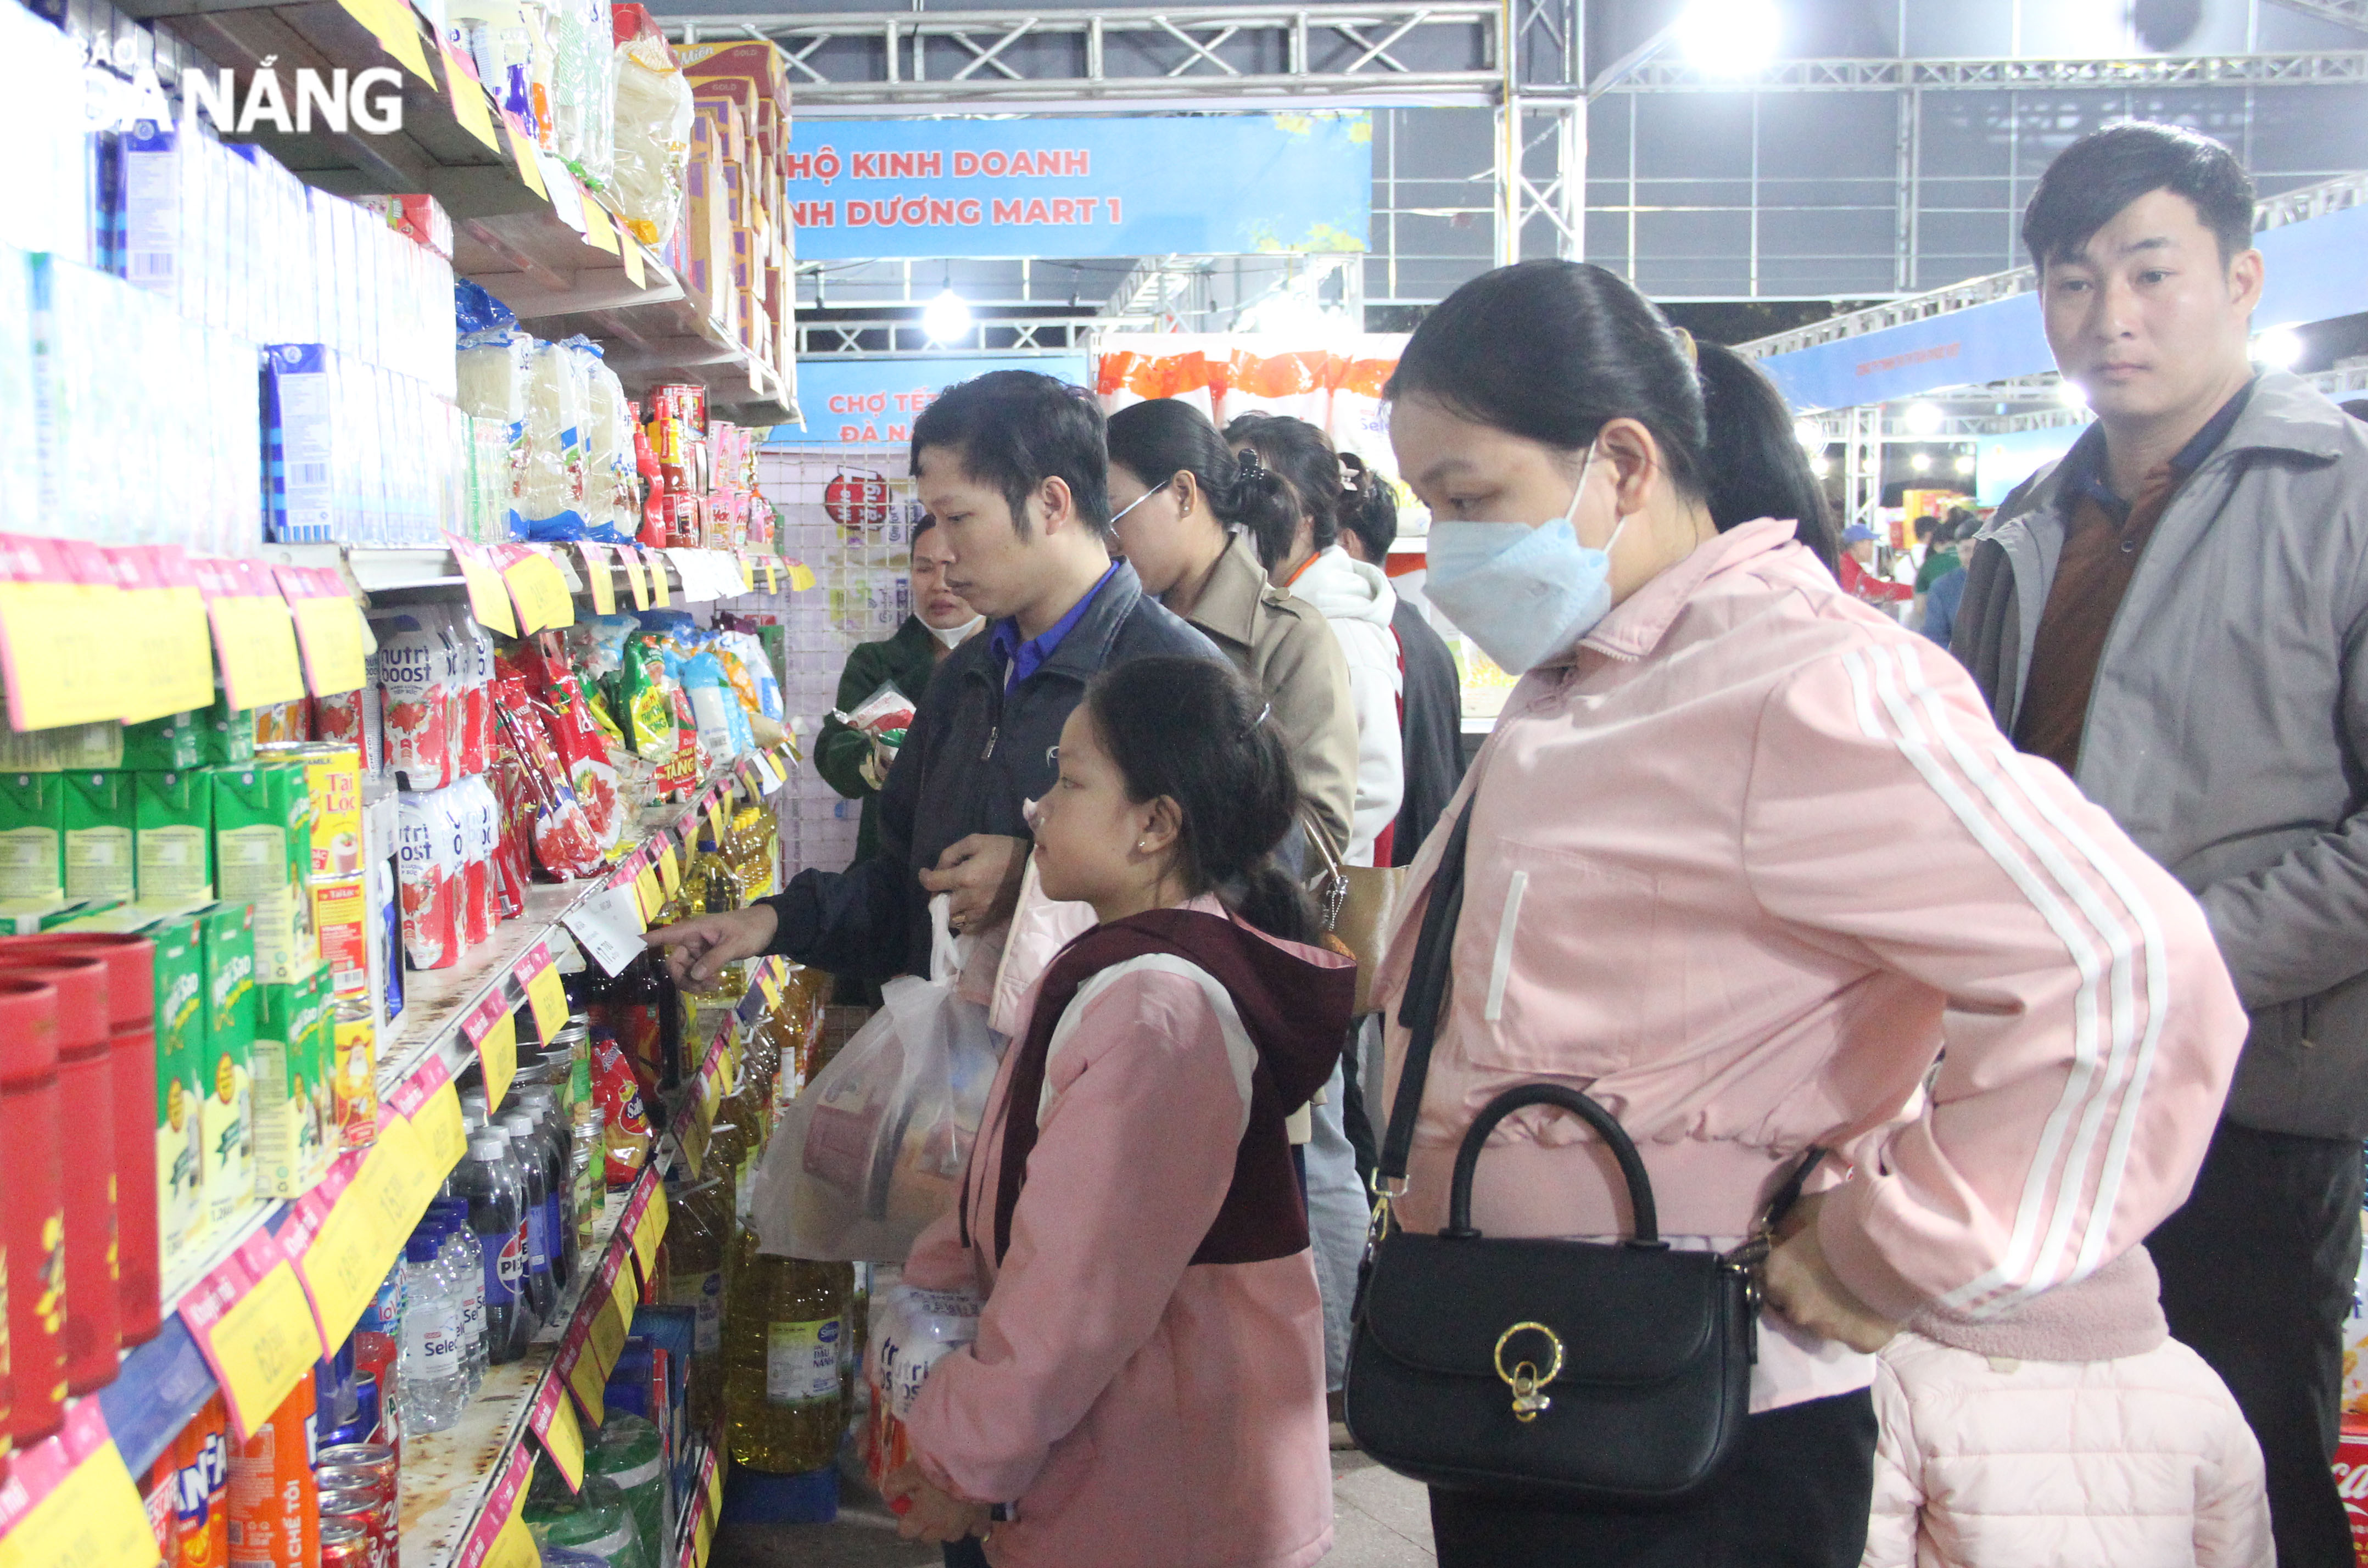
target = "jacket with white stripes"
x: 1742, y: 866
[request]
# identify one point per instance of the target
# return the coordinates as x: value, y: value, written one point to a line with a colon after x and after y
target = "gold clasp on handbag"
x: 1522, y: 1377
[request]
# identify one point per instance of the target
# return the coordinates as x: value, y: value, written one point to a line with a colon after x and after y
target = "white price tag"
x: 610, y: 925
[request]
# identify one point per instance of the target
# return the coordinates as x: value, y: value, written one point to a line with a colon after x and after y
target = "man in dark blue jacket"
x: 1012, y: 470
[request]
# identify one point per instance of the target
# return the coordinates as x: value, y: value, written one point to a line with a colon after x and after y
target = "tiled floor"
x: 1381, y: 1521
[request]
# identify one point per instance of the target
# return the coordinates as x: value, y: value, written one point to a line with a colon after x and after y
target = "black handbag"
x: 1603, y: 1374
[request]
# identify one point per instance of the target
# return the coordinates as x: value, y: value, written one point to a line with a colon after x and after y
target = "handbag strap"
x: 1426, y: 992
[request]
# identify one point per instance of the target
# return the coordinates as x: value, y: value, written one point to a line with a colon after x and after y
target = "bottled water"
x: 499, y: 1228
x: 429, y: 1373
x: 464, y: 1264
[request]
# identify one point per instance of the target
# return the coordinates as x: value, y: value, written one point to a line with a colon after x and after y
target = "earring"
x: 1138, y: 846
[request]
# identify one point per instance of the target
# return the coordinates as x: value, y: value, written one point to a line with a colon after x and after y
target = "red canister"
x: 132, y: 1060
x: 86, y: 1104
x: 33, y: 1219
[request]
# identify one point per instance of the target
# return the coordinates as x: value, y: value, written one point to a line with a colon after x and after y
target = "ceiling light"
x: 1921, y: 462
x: 2279, y: 348
x: 1821, y: 465
x: 1923, y: 419
x: 946, y: 318
x: 1964, y: 464
x: 1730, y: 38
x: 1809, y: 433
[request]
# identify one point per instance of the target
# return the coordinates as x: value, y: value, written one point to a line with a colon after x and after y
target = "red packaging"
x: 628, y: 1135
x: 200, y: 1460
x: 156, y: 1494
x: 2352, y: 1481
x: 374, y: 1356
x: 355, y: 718
x: 414, y: 674
x: 473, y: 648
x: 474, y: 808
x: 273, y: 1502
x: 86, y: 1099
x: 564, y: 844
x: 428, y: 859
x: 33, y: 1220
x: 131, y: 1004
x: 575, y: 734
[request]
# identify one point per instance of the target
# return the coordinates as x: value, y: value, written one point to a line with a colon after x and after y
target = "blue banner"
x: 1196, y: 185
x: 852, y: 403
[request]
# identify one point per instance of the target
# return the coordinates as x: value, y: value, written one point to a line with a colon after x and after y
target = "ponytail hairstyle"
x: 1159, y: 438
x: 1301, y: 461
x: 1196, y: 732
x: 1555, y: 351
x: 1369, y: 509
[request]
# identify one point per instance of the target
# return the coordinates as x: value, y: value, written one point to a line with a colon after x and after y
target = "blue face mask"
x: 1524, y: 593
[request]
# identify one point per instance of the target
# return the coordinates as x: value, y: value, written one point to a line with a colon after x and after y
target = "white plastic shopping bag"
x: 873, y: 1150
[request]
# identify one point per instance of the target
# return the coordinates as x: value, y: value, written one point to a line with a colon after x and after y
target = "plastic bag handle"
x: 946, y: 954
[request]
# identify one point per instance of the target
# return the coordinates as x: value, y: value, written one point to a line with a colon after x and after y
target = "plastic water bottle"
x: 494, y: 1219
x: 429, y: 1373
x: 526, y: 1150
x: 464, y: 1264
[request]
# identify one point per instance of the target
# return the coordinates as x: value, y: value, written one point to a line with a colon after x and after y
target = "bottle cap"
x: 490, y: 1144
x: 421, y: 1247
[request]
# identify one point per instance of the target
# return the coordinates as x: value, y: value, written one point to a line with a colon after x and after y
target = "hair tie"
x: 1686, y: 342
x: 1248, y: 460
x: 1262, y: 716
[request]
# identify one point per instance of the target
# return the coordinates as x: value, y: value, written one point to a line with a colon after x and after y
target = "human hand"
x: 698, y: 949
x: 926, y: 1511
x: 1798, y: 1282
x: 983, y: 872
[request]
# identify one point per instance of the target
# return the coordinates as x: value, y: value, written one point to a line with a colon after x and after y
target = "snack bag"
x: 627, y: 1137
x: 583, y: 753
x: 563, y: 839
x: 646, y: 699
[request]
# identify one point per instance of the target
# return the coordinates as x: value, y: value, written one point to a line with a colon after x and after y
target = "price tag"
x: 348, y: 1255
x: 669, y: 868
x: 164, y: 628
x: 612, y: 1324
x: 492, y: 1030
x: 537, y: 588
x: 747, y: 573
x: 597, y: 229
x: 659, y: 591
x: 650, y: 1230
x: 468, y: 95
x: 70, y: 1503
x: 802, y: 576
x: 772, y: 574
x: 255, y: 1329
x: 597, y: 578
x: 391, y: 22
x: 538, y: 976
x: 255, y: 641
x: 513, y: 1546
x: 489, y: 599
x: 406, y: 1176
x: 586, y: 1381
x: 711, y: 1478
x: 493, y: 1541
x: 630, y: 558
x: 715, y: 817
x: 525, y: 155
x: 632, y: 256
x: 650, y: 896
x: 609, y: 927
x: 552, y: 1419
x: 695, y: 1136
x: 328, y: 628
x: 443, y: 1134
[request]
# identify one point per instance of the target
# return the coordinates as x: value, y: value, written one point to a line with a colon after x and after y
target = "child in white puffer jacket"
x: 2073, y: 1432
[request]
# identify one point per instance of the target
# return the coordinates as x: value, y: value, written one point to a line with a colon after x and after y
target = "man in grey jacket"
x: 2177, y: 614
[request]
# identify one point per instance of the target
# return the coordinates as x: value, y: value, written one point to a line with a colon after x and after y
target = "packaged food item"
x: 560, y: 703
x: 32, y: 836
x: 355, y: 1040
x: 33, y: 1220
x: 274, y: 1509
x: 478, y: 816
x: 99, y: 824
x: 341, y: 915
x: 429, y: 850
x: 785, y: 1334
x: 169, y: 744
x: 912, y: 1330
x: 529, y: 770
x: 156, y: 1494
x: 226, y: 939
x: 627, y: 1130
x: 290, y: 1087
x: 180, y: 987
x: 413, y: 672
x: 262, y: 852
x: 332, y: 779
x: 173, y: 820
x: 356, y: 719
x: 226, y: 733
x: 200, y: 1460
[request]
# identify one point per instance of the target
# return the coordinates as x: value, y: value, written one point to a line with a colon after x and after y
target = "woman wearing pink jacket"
x: 1745, y: 858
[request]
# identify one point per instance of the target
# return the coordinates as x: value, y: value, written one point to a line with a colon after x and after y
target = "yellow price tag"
x: 548, y: 998
x: 346, y: 1261
x: 694, y: 1138
x: 608, y: 1328
x: 514, y: 1547
x: 92, y: 1518
x: 715, y: 819
x: 747, y: 573
x: 164, y: 638
x: 652, y: 1231
x: 64, y: 667
x: 443, y: 1136
x: 497, y: 1054
x: 255, y: 642
x: 648, y: 894
x: 597, y: 227
x: 801, y: 577
x: 658, y: 589
x: 596, y: 577
x: 524, y: 153
x: 772, y: 574
x: 589, y: 1384
x: 329, y: 630
x: 631, y: 255
x: 468, y: 95
x: 540, y: 591
x: 635, y: 583
x: 391, y: 22
x: 669, y: 868
x: 715, y: 1484
x: 563, y: 1437
x: 489, y: 601
x: 265, y: 1343
x: 408, y: 1176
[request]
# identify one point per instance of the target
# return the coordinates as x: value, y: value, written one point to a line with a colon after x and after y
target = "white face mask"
x: 952, y: 636
x: 1524, y: 593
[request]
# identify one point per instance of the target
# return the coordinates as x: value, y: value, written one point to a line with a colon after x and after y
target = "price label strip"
x: 70, y: 1503
x: 669, y: 867
x: 636, y: 583
x: 468, y: 95
x: 552, y: 1419
x: 329, y: 627
x: 164, y: 628
x: 490, y: 1027
x: 346, y: 1250
x: 538, y: 976
x: 659, y: 590
x: 596, y: 575
x: 652, y: 1228
x: 428, y: 1100
x: 498, y: 1536
x: 537, y: 588
x: 489, y: 597
x: 255, y: 1328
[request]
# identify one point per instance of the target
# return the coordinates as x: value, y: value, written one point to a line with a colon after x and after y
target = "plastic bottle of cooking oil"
x: 785, y: 1333
x: 699, y: 1234
x: 711, y: 886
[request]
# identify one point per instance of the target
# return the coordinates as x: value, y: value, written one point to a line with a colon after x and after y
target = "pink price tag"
x: 501, y: 1502
x: 414, y: 1091
x: 489, y: 1011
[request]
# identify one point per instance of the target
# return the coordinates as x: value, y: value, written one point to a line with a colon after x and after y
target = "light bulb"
x: 1923, y: 419
x: 1921, y: 462
x: 1965, y: 464
x: 1730, y: 38
x: 946, y: 317
x: 1821, y: 465
x: 1809, y: 433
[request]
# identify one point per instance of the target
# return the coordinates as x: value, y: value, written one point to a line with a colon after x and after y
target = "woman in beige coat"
x: 1186, y: 513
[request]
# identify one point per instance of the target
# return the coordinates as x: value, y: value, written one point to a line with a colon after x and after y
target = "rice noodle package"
x: 429, y: 856
x: 652, y: 136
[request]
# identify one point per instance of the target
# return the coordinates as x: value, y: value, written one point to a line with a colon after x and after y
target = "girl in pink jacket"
x: 1743, y: 856
x: 1148, y: 1385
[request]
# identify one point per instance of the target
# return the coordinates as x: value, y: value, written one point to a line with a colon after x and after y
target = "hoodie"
x: 1147, y: 1384
x: 1358, y: 601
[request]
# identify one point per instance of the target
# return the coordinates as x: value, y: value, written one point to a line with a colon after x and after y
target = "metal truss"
x: 906, y: 339
x: 1429, y: 50
x: 2343, y: 68
x: 2350, y: 13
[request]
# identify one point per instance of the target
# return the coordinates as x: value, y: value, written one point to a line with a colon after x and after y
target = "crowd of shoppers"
x: 2035, y: 939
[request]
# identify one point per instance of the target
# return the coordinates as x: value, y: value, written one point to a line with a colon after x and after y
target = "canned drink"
x: 272, y: 1496
x: 344, y: 1545
x: 375, y: 1461
x: 374, y: 1516
x: 200, y: 1456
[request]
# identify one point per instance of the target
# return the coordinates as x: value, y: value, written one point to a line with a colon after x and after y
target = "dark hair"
x: 1370, y: 510
x: 1926, y: 525
x: 1555, y: 351
x: 1196, y: 732
x: 1015, y: 430
x: 1298, y: 454
x: 1157, y: 440
x: 2106, y: 170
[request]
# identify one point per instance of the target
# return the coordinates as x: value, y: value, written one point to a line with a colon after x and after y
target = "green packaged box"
x: 98, y: 835
x: 263, y: 851
x: 32, y: 836
x: 226, y: 733
x: 226, y: 944
x: 170, y: 744
x: 180, y: 1090
x: 292, y: 1120
x: 172, y: 816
